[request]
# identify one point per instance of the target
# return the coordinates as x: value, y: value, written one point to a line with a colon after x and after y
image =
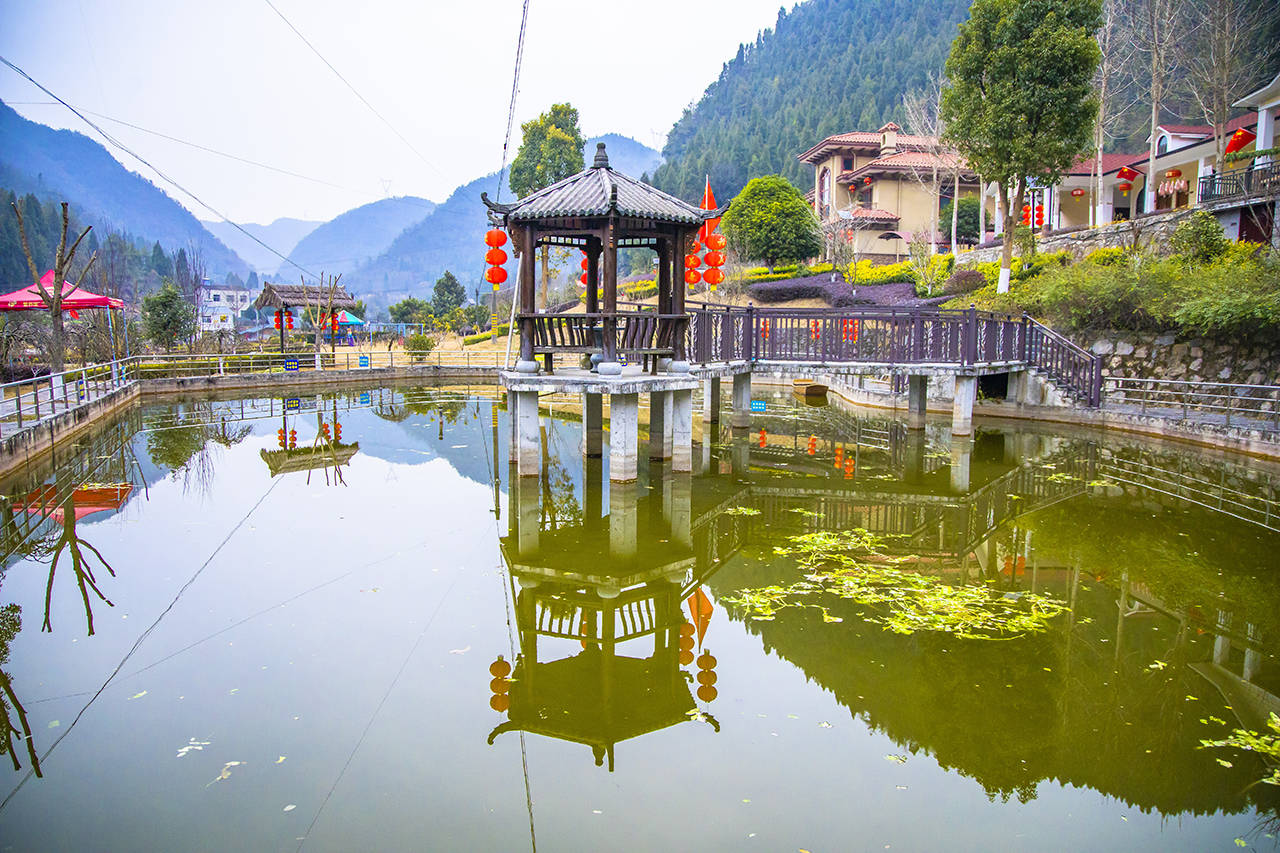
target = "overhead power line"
x: 118, y: 144
x: 353, y: 89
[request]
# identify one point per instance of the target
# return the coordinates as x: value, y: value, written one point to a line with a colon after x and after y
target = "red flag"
x: 1126, y: 174
x: 700, y: 609
x: 708, y: 203
x: 1239, y: 140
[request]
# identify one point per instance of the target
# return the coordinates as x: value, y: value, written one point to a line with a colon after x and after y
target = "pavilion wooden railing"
x: 635, y: 331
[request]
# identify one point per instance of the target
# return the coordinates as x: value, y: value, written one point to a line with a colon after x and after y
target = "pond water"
x: 310, y: 647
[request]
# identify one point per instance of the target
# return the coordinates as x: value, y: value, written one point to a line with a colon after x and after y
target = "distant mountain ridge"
x: 358, y: 236
x: 67, y: 166
x: 282, y: 235
x: 452, y: 237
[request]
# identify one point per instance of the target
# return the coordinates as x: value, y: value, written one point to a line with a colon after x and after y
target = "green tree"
x: 167, y: 316
x: 1019, y: 104
x: 550, y: 151
x: 447, y: 295
x: 410, y: 310
x: 160, y: 261
x: 770, y: 221
x: 966, y: 219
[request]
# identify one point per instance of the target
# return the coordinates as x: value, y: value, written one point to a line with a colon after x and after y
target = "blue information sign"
x: 80, y: 389
x: 290, y: 364
x: 757, y: 405
x: 364, y: 398
x: 293, y: 405
x: 364, y: 362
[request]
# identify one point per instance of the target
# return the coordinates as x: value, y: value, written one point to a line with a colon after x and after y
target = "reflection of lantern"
x: 495, y: 275
x: 500, y: 668
x: 717, y: 242
x: 692, y: 277
x: 686, y: 658
x: 712, y: 276
x: 495, y: 257
x: 691, y: 261
x: 706, y: 661
x: 764, y: 437
x: 839, y: 457
x: 813, y: 444
x: 495, y: 238
x: 1077, y: 192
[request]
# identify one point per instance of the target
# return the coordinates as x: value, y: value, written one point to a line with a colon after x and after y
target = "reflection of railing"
x: 1252, y: 406
x: 1192, y: 487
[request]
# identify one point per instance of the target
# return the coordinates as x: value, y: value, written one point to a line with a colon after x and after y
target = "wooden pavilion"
x: 599, y: 211
x: 284, y: 297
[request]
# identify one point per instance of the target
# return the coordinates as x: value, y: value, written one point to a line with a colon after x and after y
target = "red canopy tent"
x: 73, y: 299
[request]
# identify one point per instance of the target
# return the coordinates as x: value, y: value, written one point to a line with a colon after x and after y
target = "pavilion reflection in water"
x: 607, y: 594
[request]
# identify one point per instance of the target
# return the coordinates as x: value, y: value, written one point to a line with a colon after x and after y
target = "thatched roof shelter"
x: 282, y: 297
x: 308, y: 458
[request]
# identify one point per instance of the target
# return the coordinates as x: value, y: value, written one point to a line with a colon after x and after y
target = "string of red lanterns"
x: 495, y: 238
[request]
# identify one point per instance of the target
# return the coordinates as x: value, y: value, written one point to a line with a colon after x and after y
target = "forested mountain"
x: 452, y: 236
x: 67, y: 166
x: 827, y: 66
x: 282, y: 235
x: 356, y: 237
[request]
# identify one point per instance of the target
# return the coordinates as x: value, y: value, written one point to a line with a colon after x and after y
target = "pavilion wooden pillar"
x: 663, y: 248
x: 593, y: 293
x: 526, y: 297
x: 609, y: 363
x: 677, y: 295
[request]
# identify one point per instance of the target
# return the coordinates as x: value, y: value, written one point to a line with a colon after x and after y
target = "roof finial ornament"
x: 602, y: 158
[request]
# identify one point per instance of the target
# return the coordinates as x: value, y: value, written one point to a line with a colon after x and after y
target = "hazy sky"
x: 232, y: 76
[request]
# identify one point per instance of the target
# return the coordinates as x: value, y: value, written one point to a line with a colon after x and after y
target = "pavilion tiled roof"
x: 599, y: 191
x: 874, y: 214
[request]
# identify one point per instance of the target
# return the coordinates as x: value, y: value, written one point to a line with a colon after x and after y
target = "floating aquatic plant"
x: 849, y: 565
x: 1265, y: 745
x: 741, y: 510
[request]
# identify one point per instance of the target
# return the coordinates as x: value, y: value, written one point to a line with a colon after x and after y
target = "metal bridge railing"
x: 1223, y: 403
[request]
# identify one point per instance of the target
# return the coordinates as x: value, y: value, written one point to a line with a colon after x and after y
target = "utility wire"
x: 118, y: 144
x: 362, y: 98
x: 515, y: 90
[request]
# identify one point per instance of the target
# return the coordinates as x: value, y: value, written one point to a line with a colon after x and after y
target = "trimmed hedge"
x: 868, y: 274
x: 837, y: 293
x: 500, y: 331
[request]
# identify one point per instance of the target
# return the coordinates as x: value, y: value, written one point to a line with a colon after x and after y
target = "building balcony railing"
x: 1254, y: 181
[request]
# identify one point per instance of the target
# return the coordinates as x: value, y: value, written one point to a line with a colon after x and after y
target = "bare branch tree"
x: 1117, y: 54
x: 1156, y: 30
x: 53, y: 296
x: 1220, y: 54
x: 321, y: 311
x: 924, y: 120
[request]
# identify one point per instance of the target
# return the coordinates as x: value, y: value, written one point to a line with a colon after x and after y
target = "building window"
x: 1163, y: 145
x: 824, y: 194
x: 847, y: 164
x: 217, y: 297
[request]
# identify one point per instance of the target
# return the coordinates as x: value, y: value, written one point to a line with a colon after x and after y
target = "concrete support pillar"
x: 741, y: 401
x: 1221, y: 642
x: 1252, y: 657
x: 681, y: 512
x: 528, y: 434
x: 915, y: 456
x: 513, y: 406
x: 711, y: 400
x: 527, y: 518
x: 681, y: 430
x: 740, y: 455
x: 961, y: 453
x: 624, y: 437
x: 962, y: 406
x: 660, y: 424
x: 592, y: 425
x: 1019, y: 381
x: 623, y: 525
x: 917, y: 401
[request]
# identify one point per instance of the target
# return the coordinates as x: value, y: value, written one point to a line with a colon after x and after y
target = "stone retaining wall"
x: 1150, y: 355
x: 1145, y: 232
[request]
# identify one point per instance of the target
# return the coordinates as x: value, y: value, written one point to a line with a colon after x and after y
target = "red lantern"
x: 1039, y: 214
x: 714, y: 259
x: 495, y: 238
x: 695, y: 247
x: 495, y: 257
x: 692, y: 277
x: 582, y: 279
x: 495, y: 275
x: 584, y: 264
x: 1124, y: 187
x: 717, y: 242
x: 1077, y: 192
x: 289, y: 321
x: 692, y: 262
x: 1026, y: 214
x: 276, y: 317
x: 866, y: 182
x: 713, y: 276
x: 1173, y: 173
